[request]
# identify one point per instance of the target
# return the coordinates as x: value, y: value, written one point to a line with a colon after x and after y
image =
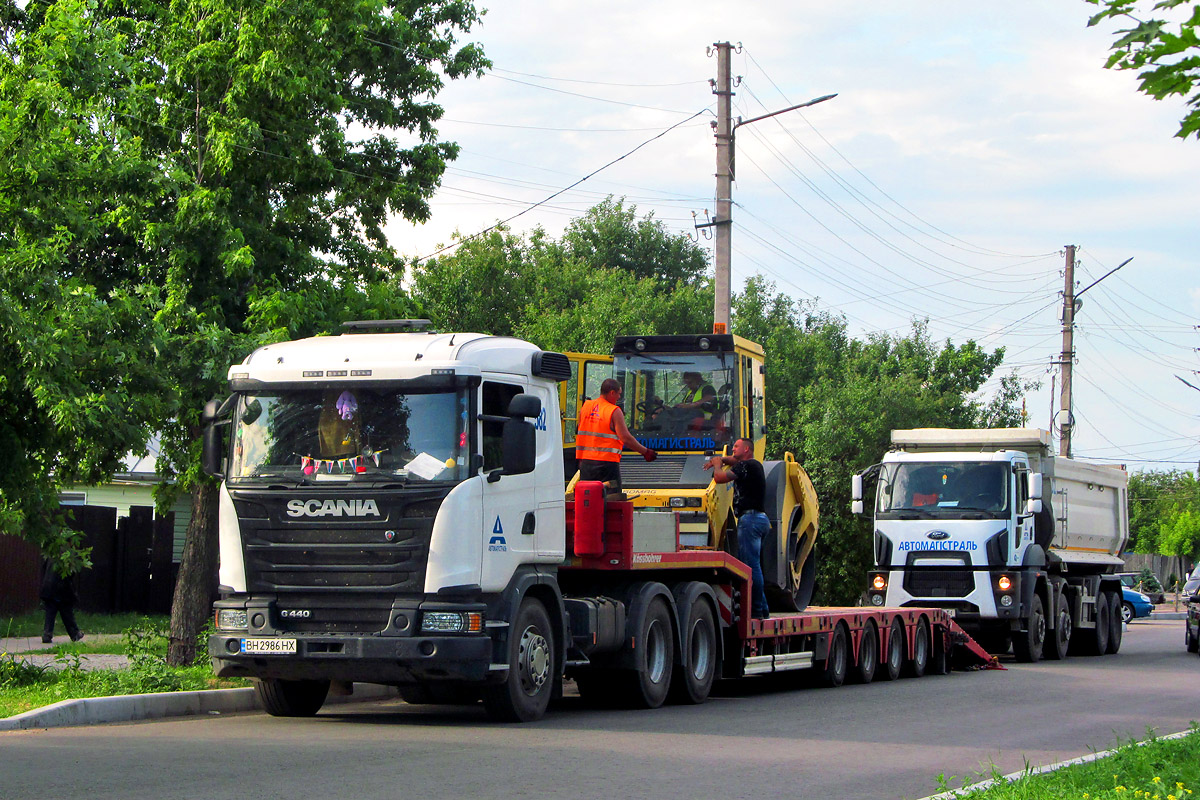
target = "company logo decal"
x: 647, y: 558
x: 678, y: 442
x: 497, y: 544
x: 946, y: 544
x: 540, y: 423
x: 937, y: 535
x: 296, y: 613
x: 332, y: 508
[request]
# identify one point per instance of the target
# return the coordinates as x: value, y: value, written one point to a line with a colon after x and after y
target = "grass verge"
x: 1154, y: 769
x: 30, y: 623
x: 25, y: 686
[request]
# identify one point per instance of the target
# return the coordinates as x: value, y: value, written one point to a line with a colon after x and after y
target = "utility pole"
x: 1072, y: 301
x: 1068, y: 354
x: 723, y: 129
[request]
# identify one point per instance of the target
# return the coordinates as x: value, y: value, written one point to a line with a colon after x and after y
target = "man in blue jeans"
x: 749, y: 495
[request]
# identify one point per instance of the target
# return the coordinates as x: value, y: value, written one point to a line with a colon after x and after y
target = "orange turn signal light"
x: 1004, y: 583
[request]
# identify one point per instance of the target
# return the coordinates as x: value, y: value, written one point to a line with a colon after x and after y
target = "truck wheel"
x: 526, y: 691
x: 1116, y: 618
x: 1191, y: 642
x: 1028, y: 644
x: 1060, y: 638
x: 1095, y: 641
x: 868, y: 655
x: 920, y: 659
x: 837, y: 660
x: 651, y: 678
x: 893, y: 656
x: 282, y: 698
x: 693, y: 683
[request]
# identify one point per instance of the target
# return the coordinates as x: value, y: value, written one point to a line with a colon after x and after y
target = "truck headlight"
x: 684, y: 502
x: 1006, y: 600
x: 451, y: 622
x: 231, y: 619
x: 879, y: 583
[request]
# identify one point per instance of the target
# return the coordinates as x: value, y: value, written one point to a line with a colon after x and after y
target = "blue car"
x: 1134, y: 604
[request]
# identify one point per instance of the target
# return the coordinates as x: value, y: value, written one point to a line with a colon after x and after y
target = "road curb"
x: 1012, y: 776
x: 160, y: 705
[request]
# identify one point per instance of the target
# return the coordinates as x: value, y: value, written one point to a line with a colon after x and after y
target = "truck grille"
x: 945, y: 581
x: 325, y: 614
x: 931, y: 582
x: 284, y: 555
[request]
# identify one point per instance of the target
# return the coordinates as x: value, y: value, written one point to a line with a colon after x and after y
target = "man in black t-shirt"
x: 749, y: 502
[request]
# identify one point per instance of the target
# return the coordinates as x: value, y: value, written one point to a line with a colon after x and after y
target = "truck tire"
x: 837, y: 660
x: 691, y: 684
x: 525, y: 693
x: 868, y: 655
x: 1095, y: 641
x: 920, y: 660
x: 1189, y: 641
x: 893, y: 656
x: 1058, y: 643
x: 647, y: 684
x: 282, y: 698
x: 1028, y: 644
x: 1116, y: 619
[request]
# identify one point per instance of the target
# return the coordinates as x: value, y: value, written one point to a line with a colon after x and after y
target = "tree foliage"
x: 1163, y: 510
x: 1166, y: 51
x: 219, y: 170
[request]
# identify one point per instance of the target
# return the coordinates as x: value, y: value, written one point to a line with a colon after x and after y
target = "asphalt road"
x: 766, y: 739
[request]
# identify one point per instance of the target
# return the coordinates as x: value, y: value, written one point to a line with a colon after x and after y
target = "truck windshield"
x: 678, y: 401
x: 350, y: 433
x: 944, y: 488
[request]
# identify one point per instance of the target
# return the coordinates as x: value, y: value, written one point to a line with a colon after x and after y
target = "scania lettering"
x: 406, y: 524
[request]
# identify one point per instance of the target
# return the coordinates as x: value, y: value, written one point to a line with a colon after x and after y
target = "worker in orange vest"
x: 601, y: 434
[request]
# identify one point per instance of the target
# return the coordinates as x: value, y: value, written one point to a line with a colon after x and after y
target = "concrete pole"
x: 1068, y: 354
x: 723, y: 128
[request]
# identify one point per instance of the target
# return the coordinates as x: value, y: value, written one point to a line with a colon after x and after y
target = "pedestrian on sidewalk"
x: 58, y: 597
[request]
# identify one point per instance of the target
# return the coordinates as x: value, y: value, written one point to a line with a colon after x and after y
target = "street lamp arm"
x: 1105, y: 275
x: 822, y: 99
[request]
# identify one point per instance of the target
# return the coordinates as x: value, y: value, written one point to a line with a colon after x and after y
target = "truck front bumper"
x: 374, y: 659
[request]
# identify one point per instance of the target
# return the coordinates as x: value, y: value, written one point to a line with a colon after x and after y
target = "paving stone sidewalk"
x: 32, y: 649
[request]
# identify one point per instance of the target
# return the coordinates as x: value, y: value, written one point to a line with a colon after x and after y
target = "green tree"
x: 610, y: 274
x: 257, y: 151
x: 1162, y: 43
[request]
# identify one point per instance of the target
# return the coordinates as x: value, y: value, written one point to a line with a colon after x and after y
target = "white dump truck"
x: 1018, y: 544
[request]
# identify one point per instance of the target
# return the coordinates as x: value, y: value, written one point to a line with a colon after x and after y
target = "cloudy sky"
x: 969, y: 143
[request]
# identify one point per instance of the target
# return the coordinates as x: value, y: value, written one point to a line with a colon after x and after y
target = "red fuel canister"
x: 589, y: 518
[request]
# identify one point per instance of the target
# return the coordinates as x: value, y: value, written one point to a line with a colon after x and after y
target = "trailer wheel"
x: 281, y: 698
x: 655, y: 657
x: 868, y: 655
x: 1028, y: 644
x: 893, y: 656
x: 1060, y: 639
x: 939, y: 661
x: 693, y: 683
x: 1116, y: 618
x: 1095, y: 641
x: 526, y: 691
x: 837, y: 660
x: 920, y: 659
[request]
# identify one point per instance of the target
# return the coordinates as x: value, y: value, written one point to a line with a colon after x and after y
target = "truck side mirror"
x: 519, y: 449
x: 1033, y: 506
x: 856, y: 494
x: 1035, y: 486
x: 211, y: 458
